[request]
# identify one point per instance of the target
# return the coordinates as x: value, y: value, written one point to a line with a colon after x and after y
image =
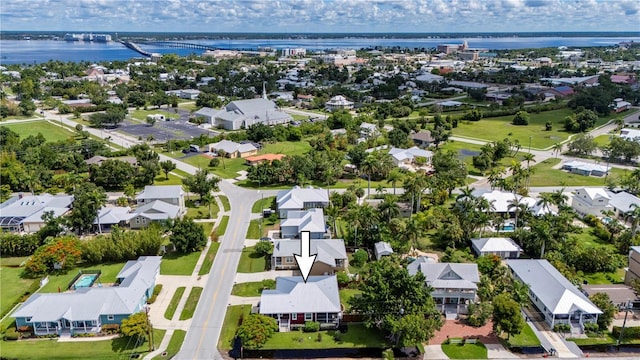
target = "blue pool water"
x: 85, y: 281
x: 509, y: 228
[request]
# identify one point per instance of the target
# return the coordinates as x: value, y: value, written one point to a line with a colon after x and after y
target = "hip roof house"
x: 24, y: 213
x: 241, y: 114
x: 300, y: 199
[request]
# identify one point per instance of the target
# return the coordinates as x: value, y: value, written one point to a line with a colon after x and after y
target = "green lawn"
x: 201, y: 211
x: 498, y: 128
x: 232, y: 321
x: 254, y: 228
x: 346, y: 294
x: 162, y: 180
x: 188, y: 106
x: 49, y: 131
x: 251, y: 288
x: 603, y: 140
x: 526, y: 338
x: 61, y: 281
x: 142, y: 114
x: 51, y: 349
x: 357, y: 336
x: 466, y: 151
x: 225, y: 203
x: 586, y: 238
x: 264, y: 203
x: 179, y: 264
x: 22, y: 117
x: 222, y: 227
x: 174, y: 345
x: 192, y: 302
x: 13, y: 286
x: 175, y: 299
x: 207, y: 228
x: 250, y: 262
x: 544, y: 175
x: 208, y: 260
x: 466, y: 351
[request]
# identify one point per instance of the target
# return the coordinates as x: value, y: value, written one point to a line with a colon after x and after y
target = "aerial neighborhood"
x: 451, y: 202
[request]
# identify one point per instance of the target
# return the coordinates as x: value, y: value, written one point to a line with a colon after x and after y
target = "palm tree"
x: 368, y: 167
x: 559, y: 199
x: 557, y: 148
x: 394, y: 176
x: 529, y: 157
x: 466, y: 194
x: 222, y: 154
x: 333, y: 213
x: 388, y: 208
x: 414, y: 229
x: 634, y: 214
x: 515, y: 204
x: 546, y: 199
x: 495, y: 176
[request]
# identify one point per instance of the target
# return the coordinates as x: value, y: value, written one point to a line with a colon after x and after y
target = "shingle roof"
x: 554, y: 290
x: 89, y: 303
x: 152, y: 192
x: 293, y: 295
x: 448, y: 275
x: 494, y: 245
x: 328, y: 250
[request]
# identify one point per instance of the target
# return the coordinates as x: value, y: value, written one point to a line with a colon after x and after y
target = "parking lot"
x: 165, y: 130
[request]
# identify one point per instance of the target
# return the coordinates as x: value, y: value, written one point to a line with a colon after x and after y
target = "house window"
x: 137, y: 220
x: 294, y: 316
x: 288, y: 260
x: 28, y: 319
x: 111, y: 317
x: 144, y: 221
x: 308, y: 317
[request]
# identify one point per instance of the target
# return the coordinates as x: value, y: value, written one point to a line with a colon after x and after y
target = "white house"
x: 368, y: 130
x: 24, y: 213
x: 301, y: 199
x: 171, y: 194
x: 297, y: 221
x: 338, y: 103
x: 381, y: 249
x: 557, y: 300
x: 503, y: 247
x: 591, y: 201
x: 630, y: 134
x: 622, y: 203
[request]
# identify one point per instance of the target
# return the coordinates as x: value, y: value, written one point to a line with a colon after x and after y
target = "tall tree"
x: 201, y: 183
x: 507, y: 316
x: 87, y: 201
x: 167, y: 166
x: 187, y: 236
x: 136, y: 325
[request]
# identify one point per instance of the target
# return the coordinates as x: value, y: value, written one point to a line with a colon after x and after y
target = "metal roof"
x: 293, y: 295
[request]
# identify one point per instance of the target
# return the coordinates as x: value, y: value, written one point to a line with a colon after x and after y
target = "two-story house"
x: 311, y: 220
x: 632, y: 272
x: 299, y: 198
x: 332, y: 255
x: 454, y: 284
x: 591, y: 201
x: 171, y: 194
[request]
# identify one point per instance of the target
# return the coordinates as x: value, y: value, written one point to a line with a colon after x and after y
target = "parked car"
x: 266, y: 238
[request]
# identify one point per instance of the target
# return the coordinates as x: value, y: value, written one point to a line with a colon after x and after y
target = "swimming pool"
x: 85, y: 280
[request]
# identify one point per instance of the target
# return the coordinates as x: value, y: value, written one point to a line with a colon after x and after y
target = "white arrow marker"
x: 305, y: 260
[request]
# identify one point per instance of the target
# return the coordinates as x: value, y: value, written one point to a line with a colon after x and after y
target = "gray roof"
x: 231, y: 147
x: 89, y: 303
x: 251, y: 111
x: 554, y: 290
x: 297, y: 196
x: 112, y: 215
x: 623, y: 200
x: 158, y: 210
x: 382, y: 248
x: 448, y: 275
x: 18, y: 208
x: 293, y: 295
x: 206, y: 112
x: 152, y: 192
x: 305, y: 220
x: 328, y: 250
x: 481, y: 245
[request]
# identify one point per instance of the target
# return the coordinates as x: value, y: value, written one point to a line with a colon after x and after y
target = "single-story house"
x: 294, y: 302
x: 382, y: 248
x: 24, y: 213
x: 590, y: 201
x: 233, y: 149
x: 557, y: 300
x: 422, y: 139
x: 297, y: 221
x: 619, y: 105
x: 408, y: 156
x: 86, y: 309
x: 156, y: 211
x: 502, y: 202
x: 98, y: 160
x: 622, y: 203
x: 259, y: 159
x: 332, y: 255
x: 586, y: 169
x: 630, y: 134
x: 108, y: 216
x: 171, y: 194
x: 241, y: 114
x: 503, y: 247
x: 299, y: 198
x: 454, y: 284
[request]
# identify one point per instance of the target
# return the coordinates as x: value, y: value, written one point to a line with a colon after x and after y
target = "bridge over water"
x: 180, y: 45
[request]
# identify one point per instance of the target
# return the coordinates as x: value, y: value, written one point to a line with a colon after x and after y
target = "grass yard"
x: 526, y: 338
x: 544, y: 175
x: 250, y: 262
x: 174, y: 345
x: 264, y: 203
x: 600, y: 278
x: 222, y: 227
x: 254, y: 228
x: 162, y: 180
x: 175, y: 299
x: 467, y: 151
x: 346, y: 294
x: 188, y: 106
x: 13, y: 286
x: 142, y: 114
x: 251, y: 289
x: 49, y: 131
x: 192, y: 302
x: 207, y: 228
x: 201, y: 211
x: 586, y: 238
x: 225, y: 203
x: 179, y: 264
x: 51, y: 349
x: 61, y: 281
x: 208, y: 260
x: 498, y: 128
x: 603, y: 140
x: 466, y: 351
x: 232, y: 321
x: 357, y: 336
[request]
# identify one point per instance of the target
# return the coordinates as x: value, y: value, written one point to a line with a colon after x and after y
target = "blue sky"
x: 290, y: 16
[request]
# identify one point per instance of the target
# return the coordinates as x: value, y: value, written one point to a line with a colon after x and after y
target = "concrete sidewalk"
x: 259, y: 276
x: 434, y: 352
x: 243, y: 300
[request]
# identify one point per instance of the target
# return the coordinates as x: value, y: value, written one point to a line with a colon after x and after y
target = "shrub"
x: 343, y: 279
x: 319, y: 337
x: 591, y: 220
x: 630, y: 332
x: 157, y: 289
x: 479, y: 314
x: 214, y: 162
x: 360, y: 257
x: 548, y: 126
x: 521, y: 118
x: 111, y: 328
x: 311, y: 326
x: 11, y: 334
x: 591, y: 327
x: 562, y: 328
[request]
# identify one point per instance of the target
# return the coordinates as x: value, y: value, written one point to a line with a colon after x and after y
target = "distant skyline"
x: 321, y: 16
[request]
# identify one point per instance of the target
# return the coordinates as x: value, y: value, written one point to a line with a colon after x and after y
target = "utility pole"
x: 624, y: 323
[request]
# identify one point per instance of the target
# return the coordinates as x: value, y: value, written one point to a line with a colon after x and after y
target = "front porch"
x: 64, y: 326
